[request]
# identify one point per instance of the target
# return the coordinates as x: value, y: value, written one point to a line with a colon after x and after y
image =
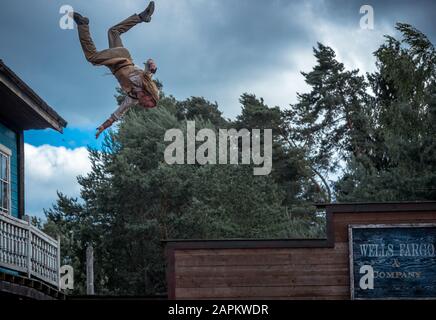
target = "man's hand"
x: 104, y: 126
x: 99, y: 131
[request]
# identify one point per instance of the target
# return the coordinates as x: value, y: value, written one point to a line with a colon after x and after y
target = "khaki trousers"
x: 116, y: 48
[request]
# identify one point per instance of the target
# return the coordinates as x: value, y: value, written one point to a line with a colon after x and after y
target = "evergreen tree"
x: 402, y: 161
x: 132, y: 200
x: 330, y: 123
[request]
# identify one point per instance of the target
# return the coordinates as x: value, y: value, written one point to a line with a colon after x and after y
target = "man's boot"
x: 79, y: 19
x: 147, y: 13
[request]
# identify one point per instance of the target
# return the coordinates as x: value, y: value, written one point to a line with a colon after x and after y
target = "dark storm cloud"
x: 215, y: 48
x: 419, y: 13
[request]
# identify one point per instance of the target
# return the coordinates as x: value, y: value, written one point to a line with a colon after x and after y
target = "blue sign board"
x: 393, y: 261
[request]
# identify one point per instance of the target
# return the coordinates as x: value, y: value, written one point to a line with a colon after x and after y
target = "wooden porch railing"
x: 25, y: 249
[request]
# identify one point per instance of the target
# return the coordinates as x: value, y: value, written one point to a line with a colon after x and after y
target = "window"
x: 5, y: 183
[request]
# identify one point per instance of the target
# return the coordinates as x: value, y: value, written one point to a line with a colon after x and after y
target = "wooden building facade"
x: 282, y: 269
x: 25, y: 252
x: 10, y: 181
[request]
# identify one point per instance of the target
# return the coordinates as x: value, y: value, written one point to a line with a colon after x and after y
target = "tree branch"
x: 292, y: 144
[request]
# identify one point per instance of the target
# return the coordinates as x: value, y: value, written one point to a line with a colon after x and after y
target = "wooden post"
x: 58, y: 261
x: 29, y: 248
x: 90, y: 270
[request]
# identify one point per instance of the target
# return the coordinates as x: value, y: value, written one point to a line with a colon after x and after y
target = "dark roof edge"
x: 32, y: 94
x: 322, y: 205
x: 331, y: 209
x: 399, y: 206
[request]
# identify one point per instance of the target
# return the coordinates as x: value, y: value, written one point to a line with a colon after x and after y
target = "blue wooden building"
x: 29, y: 258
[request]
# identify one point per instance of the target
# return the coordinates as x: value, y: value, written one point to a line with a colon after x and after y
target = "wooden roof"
x: 22, y: 108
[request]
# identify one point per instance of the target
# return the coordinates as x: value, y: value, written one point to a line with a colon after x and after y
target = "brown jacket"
x: 123, y: 67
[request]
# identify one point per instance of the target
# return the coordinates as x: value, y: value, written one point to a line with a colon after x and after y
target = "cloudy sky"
x: 212, y: 48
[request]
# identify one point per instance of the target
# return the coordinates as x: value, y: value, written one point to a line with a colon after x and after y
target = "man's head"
x: 146, y: 100
x: 150, y: 66
x: 149, y: 95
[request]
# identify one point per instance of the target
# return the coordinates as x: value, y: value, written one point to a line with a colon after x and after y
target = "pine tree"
x: 330, y: 123
x: 402, y: 162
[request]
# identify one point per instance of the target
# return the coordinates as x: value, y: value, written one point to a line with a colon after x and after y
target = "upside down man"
x: 136, y: 82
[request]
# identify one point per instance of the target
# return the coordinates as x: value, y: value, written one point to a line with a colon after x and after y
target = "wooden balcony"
x: 28, y: 251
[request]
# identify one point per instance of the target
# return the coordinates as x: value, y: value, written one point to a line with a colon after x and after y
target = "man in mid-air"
x: 136, y: 82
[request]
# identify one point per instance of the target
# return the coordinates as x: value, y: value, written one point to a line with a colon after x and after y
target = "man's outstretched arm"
x: 107, y: 124
x: 117, y: 115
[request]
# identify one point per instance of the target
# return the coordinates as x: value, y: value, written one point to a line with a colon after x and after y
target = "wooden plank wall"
x: 275, y: 273
x: 10, y: 139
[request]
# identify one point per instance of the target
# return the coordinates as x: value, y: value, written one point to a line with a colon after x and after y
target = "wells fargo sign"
x: 393, y: 261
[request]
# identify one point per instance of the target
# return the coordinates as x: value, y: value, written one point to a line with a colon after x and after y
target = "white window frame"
x: 8, y: 153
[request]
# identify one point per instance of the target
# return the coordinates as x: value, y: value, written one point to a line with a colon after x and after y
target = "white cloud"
x: 354, y: 47
x: 280, y: 87
x: 49, y: 169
